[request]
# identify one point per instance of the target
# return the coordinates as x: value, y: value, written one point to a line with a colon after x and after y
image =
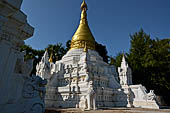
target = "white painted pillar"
x: 89, y: 102
x: 94, y: 103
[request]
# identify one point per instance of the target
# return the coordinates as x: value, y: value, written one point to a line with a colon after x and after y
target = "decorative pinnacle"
x: 51, y: 58
x: 83, y: 13
x: 85, y: 48
x: 84, y: 6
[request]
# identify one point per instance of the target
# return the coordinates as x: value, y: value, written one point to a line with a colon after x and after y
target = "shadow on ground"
x: 111, y: 110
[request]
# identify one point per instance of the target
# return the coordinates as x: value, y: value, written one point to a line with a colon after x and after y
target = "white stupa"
x: 81, y: 79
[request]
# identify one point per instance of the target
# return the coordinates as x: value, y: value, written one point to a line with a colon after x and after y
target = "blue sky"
x: 111, y: 21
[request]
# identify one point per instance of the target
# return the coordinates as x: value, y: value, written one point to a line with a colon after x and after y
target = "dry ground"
x: 112, y: 110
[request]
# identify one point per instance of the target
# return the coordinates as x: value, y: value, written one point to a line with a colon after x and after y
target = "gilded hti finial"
x: 84, y: 5
x: 51, y: 58
x: 83, y: 13
x: 83, y: 36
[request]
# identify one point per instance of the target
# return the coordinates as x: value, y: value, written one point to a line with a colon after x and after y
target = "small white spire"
x: 45, y: 57
x: 124, y: 63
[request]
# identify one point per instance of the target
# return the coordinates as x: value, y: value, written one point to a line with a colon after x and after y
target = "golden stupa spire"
x: 51, y: 58
x: 83, y: 36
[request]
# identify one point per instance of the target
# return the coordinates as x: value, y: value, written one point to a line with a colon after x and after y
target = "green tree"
x: 68, y: 45
x: 101, y: 49
x: 57, y: 51
x: 140, y: 44
x: 150, y: 61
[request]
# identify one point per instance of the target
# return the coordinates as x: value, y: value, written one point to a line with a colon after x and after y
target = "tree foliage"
x: 56, y: 51
x: 101, y: 49
x: 150, y: 62
x: 68, y: 45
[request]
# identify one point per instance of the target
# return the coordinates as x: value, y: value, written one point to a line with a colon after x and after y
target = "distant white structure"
x: 137, y: 95
x: 125, y: 73
x: 19, y: 93
x: 81, y: 79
